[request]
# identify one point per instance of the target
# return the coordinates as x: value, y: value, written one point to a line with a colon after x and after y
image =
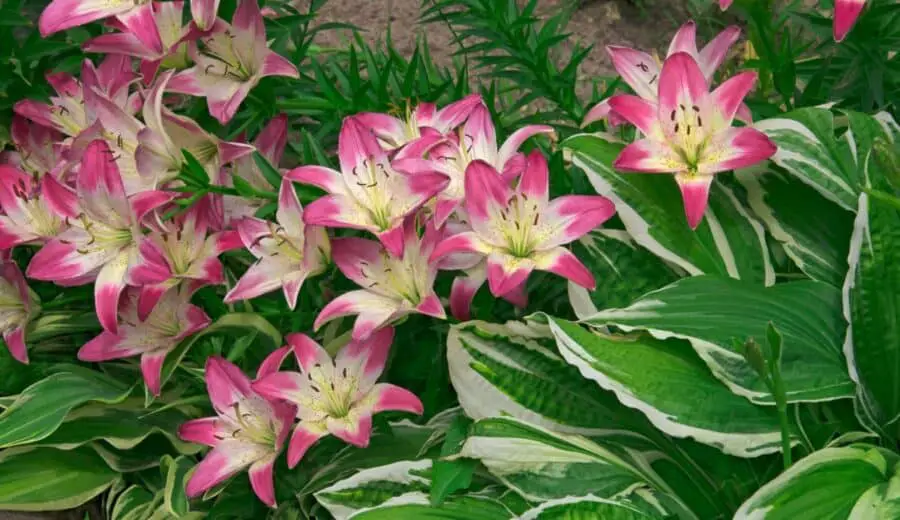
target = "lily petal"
x: 505, y: 272
x: 390, y: 397
x: 304, y: 436
x: 715, y: 52
x: 640, y: 112
x: 225, y: 382
x: 467, y: 242
x: 638, y: 69
x: 736, y: 148
x: 373, y: 309
x: 649, y: 156
x: 224, y: 461
x: 204, y: 13
x: 685, y: 40
x: 695, y: 192
x: 845, y: 14
x: 570, y: 217
x: 729, y: 96
x: 262, y: 480
x: 15, y: 342
x: 320, y: 176
x: 356, y: 432
x: 272, y: 363
x: 681, y: 83
x: 561, y: 261
x: 109, y: 286
x: 201, y: 431
x: 514, y: 141
x: 151, y: 369
x: 307, y: 351
x: 485, y: 191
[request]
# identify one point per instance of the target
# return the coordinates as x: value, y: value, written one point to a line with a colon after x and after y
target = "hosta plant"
x: 242, y: 275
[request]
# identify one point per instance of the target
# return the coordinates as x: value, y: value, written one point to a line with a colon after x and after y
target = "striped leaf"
x: 832, y: 166
x: 712, y: 312
x: 814, y: 231
x: 418, y: 508
x: 623, y: 270
x: 871, y: 301
x: 858, y: 482
x: 588, y: 507
x: 668, y: 383
x: 372, y: 487
x: 729, y: 242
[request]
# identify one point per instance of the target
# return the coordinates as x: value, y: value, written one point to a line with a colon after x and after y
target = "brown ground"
x: 597, y: 22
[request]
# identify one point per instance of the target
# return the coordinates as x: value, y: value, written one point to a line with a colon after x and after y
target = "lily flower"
x: 27, y: 214
x: 641, y: 71
x: 477, y: 141
x: 335, y: 396
x: 393, y: 132
x: 39, y: 148
x: 183, y: 250
x: 101, y: 242
x: 204, y: 13
x: 521, y: 230
x: 167, y: 134
x: 135, y: 15
x: 248, y: 431
x: 18, y: 304
x: 846, y: 13
x: 289, y: 251
x: 369, y: 192
x: 270, y: 144
x: 151, y: 337
x: 171, y: 34
x: 231, y: 62
x: 393, y: 286
x: 689, y: 133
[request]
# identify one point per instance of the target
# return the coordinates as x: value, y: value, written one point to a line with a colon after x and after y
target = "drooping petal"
x: 506, y: 272
x: 65, y: 14
x: 388, y: 397
x: 736, y: 148
x: 561, y: 261
x: 107, y: 346
x: 201, y: 431
x: 277, y: 65
x: 225, y: 382
x: 151, y: 369
x: 224, y: 461
x: 60, y: 260
x: 640, y: 112
x: 715, y: 52
x: 109, y: 286
x: 639, y: 70
x: 336, y: 211
x: 119, y: 43
x: 431, y: 306
x: 649, y: 156
x: 280, y: 385
x: 224, y: 103
x: 291, y: 285
x: 272, y: 139
x: 262, y: 480
x: 695, y: 192
x: 845, y: 14
x: 15, y: 342
x: 304, y: 436
x: 352, y: 430
x: 462, y: 293
x: 454, y: 114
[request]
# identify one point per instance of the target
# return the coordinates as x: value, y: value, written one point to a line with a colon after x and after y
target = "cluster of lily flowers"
x: 94, y: 184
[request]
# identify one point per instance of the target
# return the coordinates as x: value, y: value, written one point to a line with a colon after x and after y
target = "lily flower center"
x: 225, y: 59
x: 102, y: 237
x: 37, y: 216
x: 252, y: 422
x: 402, y: 279
x: 334, y: 395
x: 519, y: 223
x: 411, y: 125
x: 68, y: 112
x: 372, y: 179
x: 688, y: 134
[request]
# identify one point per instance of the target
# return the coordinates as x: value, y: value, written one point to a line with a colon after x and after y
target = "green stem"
x: 882, y: 196
x: 781, y: 406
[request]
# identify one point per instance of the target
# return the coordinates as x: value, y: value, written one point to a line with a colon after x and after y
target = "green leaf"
x: 234, y: 325
x: 45, y: 479
x: 450, y: 476
x: 833, y: 483
x: 269, y: 172
x: 832, y: 166
x: 372, y: 487
x: 543, y: 465
x: 135, y: 503
x: 572, y: 508
x: 40, y: 409
x: 460, y: 508
x: 672, y: 387
x: 814, y: 231
x: 872, y: 300
x: 729, y: 242
x: 623, y: 270
x: 175, y: 472
x: 711, y: 312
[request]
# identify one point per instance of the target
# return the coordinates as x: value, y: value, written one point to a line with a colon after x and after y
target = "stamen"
x: 676, y: 128
x: 673, y: 115
x: 699, y: 121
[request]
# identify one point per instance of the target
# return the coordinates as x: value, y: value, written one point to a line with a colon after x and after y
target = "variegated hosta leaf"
x: 871, y: 303
x: 712, y: 312
x: 623, y: 270
x: 814, y: 231
x: 469, y: 507
x: 372, y: 487
x: 729, y: 242
x: 668, y: 383
x: 516, y: 370
x: 588, y: 507
x: 858, y: 482
x: 543, y: 465
x: 808, y: 149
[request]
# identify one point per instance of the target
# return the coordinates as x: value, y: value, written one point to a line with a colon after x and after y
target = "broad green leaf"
x: 235, y: 325
x: 40, y: 409
x: 45, y: 479
x: 814, y: 232
x: 830, y: 484
x: 516, y: 370
x: 418, y: 508
x: 449, y: 476
x: 729, y: 242
x: 372, y: 487
x: 668, y: 383
x: 135, y: 503
x: 175, y: 472
x: 543, y: 465
x: 712, y: 312
x: 145, y: 455
x: 623, y: 271
x: 871, y: 302
x: 572, y: 508
x: 809, y: 150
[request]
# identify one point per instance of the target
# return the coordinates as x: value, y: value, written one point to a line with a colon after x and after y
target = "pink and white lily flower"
x: 167, y: 134
x: 39, y: 149
x: 393, y: 132
x: 135, y: 15
x: 335, y: 396
x: 248, y: 431
x: 101, y: 242
x: 204, y: 13
x: 521, y: 230
x: 392, y: 286
x: 18, y: 304
x: 171, y: 33
x: 641, y: 70
x: 689, y: 133
x: 182, y: 250
x: 232, y: 60
x: 27, y: 214
x: 289, y: 251
x: 151, y: 337
x: 270, y: 144
x: 369, y: 192
x: 477, y: 141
